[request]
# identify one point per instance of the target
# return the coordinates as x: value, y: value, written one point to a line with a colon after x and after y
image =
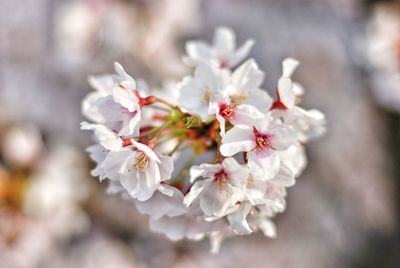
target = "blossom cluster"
x: 211, y: 155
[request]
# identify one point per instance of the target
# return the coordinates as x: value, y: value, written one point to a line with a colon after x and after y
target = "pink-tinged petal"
x: 124, y: 94
x: 105, y: 136
x: 224, y: 40
x: 238, y: 221
x: 110, y: 110
x: 219, y: 200
x: 281, y: 137
x: 247, y: 76
x: 196, y: 189
x: 246, y: 115
x: 238, y: 139
x: 241, y: 53
x: 237, y: 173
x: 264, y: 124
x: 132, y: 128
x: 289, y: 65
x: 263, y: 168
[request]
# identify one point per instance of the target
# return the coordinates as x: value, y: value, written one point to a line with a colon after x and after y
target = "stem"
x: 159, y: 130
x: 180, y: 142
x: 166, y: 103
x: 159, y: 108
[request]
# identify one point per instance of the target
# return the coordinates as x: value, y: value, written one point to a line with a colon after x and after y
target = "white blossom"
x: 222, y: 53
x: 240, y: 149
x: 196, y: 92
x: 261, y: 140
x: 220, y: 190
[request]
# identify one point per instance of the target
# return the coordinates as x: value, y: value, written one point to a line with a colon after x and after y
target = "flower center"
x: 262, y: 140
x: 227, y: 110
x: 206, y: 95
x: 221, y: 178
x: 141, y: 161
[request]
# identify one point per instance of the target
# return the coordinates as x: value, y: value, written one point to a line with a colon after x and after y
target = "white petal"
x: 166, y: 166
x: 195, y: 191
x: 126, y: 97
x: 147, y: 150
x: 260, y: 99
x: 219, y: 201
x: 286, y: 94
x: 294, y: 158
x: 238, y: 174
x: 106, y: 137
x: 174, y: 228
x: 247, y: 76
x: 198, y: 50
x: 237, y: 139
x: 238, y: 221
x: 102, y: 83
x: 289, y: 65
x: 204, y: 170
x: 132, y: 128
x: 224, y: 40
x: 90, y: 109
x: 112, y: 163
x: 263, y: 168
x: 268, y: 228
x: 285, y: 177
x: 123, y: 76
x: 241, y: 53
x: 246, y: 115
x: 281, y: 137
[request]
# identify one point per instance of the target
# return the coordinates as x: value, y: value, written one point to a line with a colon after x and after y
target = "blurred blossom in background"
x: 343, y: 211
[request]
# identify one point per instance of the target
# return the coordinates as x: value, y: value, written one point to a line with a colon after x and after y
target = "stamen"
x: 206, y: 95
x: 262, y: 140
x: 226, y: 110
x: 141, y: 161
x: 221, y: 178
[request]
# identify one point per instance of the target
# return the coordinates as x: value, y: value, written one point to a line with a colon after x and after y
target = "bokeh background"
x: 343, y: 211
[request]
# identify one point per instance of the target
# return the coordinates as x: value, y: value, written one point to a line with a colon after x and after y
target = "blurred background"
x: 343, y: 211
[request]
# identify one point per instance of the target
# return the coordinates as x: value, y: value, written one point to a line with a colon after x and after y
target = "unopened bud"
x: 192, y: 121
